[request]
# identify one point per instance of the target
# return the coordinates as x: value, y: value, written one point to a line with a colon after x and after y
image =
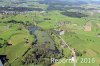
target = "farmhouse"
x: 72, y: 59
x: 62, y: 32
x: 59, y: 31
x: 63, y: 45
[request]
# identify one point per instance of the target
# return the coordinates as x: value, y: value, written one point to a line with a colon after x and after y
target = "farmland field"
x: 49, y: 33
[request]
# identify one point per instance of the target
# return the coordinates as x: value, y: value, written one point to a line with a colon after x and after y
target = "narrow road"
x: 71, y: 49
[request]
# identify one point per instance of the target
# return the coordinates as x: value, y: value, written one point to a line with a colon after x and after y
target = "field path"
x: 71, y: 49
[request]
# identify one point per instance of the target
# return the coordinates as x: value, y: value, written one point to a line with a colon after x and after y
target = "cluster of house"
x: 62, y: 23
x: 14, y: 12
x: 8, y: 12
x: 60, y: 32
x: 97, y: 11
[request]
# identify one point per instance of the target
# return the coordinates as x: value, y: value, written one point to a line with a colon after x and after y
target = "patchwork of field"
x: 19, y: 40
x: 82, y: 34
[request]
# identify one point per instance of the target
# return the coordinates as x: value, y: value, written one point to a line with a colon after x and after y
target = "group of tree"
x: 42, y: 56
x: 74, y: 14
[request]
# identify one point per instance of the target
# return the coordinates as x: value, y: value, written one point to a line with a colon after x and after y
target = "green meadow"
x: 19, y: 43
